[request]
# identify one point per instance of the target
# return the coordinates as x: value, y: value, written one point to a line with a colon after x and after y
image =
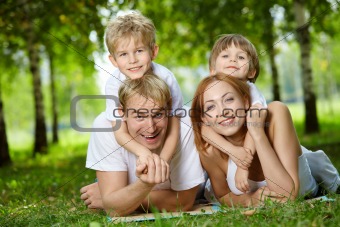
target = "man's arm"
x: 119, y: 198
x: 171, y: 200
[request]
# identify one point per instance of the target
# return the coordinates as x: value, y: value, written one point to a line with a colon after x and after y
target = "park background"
x: 52, y: 52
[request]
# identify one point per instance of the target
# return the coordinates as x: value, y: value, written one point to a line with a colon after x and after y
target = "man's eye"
x: 159, y: 115
x: 122, y: 55
x: 140, y: 50
x: 225, y: 56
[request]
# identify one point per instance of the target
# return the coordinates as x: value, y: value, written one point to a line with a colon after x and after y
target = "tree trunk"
x: 55, y: 137
x: 40, y: 140
x: 5, y: 159
x: 271, y: 51
x: 303, y: 37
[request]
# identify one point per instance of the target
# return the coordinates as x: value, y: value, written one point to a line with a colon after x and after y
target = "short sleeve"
x: 111, y: 91
x: 256, y: 95
x: 186, y: 168
x: 176, y: 94
x: 103, y: 152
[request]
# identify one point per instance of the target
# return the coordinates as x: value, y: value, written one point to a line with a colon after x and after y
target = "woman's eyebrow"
x: 214, y: 99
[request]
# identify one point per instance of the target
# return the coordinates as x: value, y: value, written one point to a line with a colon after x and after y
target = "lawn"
x: 45, y: 191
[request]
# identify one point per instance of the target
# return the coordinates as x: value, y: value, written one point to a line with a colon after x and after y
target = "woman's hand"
x: 262, y: 194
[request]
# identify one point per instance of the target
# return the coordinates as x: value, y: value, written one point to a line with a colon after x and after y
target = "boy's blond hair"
x: 150, y: 87
x: 133, y: 25
x: 241, y: 42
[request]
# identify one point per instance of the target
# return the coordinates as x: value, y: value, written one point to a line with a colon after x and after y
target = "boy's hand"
x: 143, y: 159
x: 241, y: 156
x: 241, y: 180
x: 256, y: 117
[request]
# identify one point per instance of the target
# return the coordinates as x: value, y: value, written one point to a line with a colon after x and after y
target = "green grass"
x: 45, y: 191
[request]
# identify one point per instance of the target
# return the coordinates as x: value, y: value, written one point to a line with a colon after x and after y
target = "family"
x: 231, y: 149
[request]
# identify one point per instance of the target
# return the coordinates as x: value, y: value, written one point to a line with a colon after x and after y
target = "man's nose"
x: 151, y: 125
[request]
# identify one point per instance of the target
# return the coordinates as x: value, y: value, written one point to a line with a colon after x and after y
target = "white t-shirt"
x: 105, y: 154
x: 256, y: 95
x: 117, y: 78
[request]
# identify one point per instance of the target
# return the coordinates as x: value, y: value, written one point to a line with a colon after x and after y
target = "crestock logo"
x: 144, y: 113
x: 73, y: 114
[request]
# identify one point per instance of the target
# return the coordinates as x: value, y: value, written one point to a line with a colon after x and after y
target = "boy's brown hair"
x: 133, y: 25
x: 241, y: 42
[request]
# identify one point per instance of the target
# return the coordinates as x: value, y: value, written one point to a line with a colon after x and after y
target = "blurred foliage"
x: 186, y: 30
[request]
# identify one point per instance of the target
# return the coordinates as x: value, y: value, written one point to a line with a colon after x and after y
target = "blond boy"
x: 131, y: 41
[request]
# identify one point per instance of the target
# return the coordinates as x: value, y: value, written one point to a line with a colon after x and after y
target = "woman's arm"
x: 277, y: 147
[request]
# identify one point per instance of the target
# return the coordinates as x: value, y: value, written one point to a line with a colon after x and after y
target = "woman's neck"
x: 238, y: 138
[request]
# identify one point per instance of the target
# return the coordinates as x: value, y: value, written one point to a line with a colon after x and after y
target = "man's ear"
x: 113, y: 60
x: 154, y: 52
x: 121, y: 112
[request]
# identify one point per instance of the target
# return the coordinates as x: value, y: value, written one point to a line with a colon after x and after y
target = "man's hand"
x: 143, y: 159
x: 91, y: 196
x: 158, y: 170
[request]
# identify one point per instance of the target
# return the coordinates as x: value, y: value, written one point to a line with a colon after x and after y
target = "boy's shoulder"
x: 161, y: 70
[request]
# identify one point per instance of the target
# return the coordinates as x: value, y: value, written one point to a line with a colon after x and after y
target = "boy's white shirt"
x: 256, y: 95
x: 117, y: 78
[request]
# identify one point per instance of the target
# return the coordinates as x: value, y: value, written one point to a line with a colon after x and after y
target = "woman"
x: 222, y: 103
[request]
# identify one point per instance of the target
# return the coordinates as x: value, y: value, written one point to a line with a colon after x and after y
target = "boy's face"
x: 146, y: 122
x: 233, y: 61
x: 133, y: 58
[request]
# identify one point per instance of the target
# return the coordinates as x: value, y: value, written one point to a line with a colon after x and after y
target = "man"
x: 124, y: 187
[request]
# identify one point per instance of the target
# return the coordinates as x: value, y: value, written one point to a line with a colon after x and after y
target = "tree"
x: 303, y: 37
x: 5, y: 159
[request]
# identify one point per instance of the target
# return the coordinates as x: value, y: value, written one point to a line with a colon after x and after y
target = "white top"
x: 307, y: 181
x: 256, y: 95
x: 253, y: 185
x: 105, y: 154
x: 117, y: 78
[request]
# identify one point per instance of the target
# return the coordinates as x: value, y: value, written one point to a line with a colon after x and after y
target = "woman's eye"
x: 209, y: 108
x: 225, y: 56
x: 228, y: 99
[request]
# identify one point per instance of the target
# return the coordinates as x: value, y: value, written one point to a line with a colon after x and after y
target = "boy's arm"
x: 125, y: 140
x: 239, y: 155
x: 249, y: 144
x: 171, y: 139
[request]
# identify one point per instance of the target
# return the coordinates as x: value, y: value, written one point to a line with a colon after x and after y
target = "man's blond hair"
x: 132, y: 25
x: 150, y: 87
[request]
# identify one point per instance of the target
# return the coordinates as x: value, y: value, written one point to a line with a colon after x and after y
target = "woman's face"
x: 224, y: 109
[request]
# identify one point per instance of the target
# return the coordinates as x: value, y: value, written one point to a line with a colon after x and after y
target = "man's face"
x: 133, y: 58
x: 147, y: 123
